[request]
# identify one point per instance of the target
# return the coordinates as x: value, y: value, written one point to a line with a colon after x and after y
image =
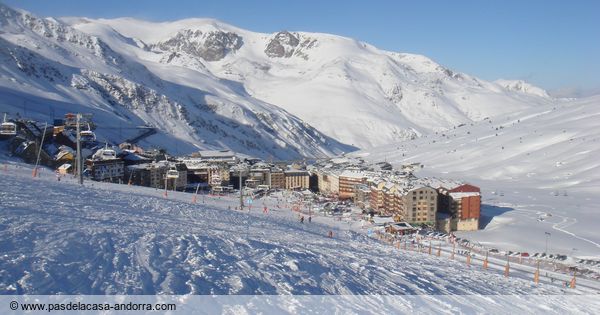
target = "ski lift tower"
x: 241, y: 168
x: 79, y: 157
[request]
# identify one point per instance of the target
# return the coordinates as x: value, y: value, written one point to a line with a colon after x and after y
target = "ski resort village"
x: 230, y: 171
x: 392, y: 205
x: 397, y: 198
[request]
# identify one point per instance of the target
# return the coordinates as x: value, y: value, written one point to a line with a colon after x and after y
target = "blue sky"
x: 553, y: 44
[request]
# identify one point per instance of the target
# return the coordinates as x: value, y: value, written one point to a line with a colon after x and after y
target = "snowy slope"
x: 48, y: 64
x: 539, y: 172
x: 119, y: 239
x: 349, y: 90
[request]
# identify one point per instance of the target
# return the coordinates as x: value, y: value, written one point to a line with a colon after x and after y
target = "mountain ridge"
x: 302, y: 94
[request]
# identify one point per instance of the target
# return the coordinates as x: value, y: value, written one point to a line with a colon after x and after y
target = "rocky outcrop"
x: 210, y: 46
x: 285, y: 45
x: 282, y: 45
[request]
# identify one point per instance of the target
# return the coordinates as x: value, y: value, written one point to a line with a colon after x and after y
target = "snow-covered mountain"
x: 349, y: 90
x: 50, y: 67
x: 522, y: 86
x: 211, y: 84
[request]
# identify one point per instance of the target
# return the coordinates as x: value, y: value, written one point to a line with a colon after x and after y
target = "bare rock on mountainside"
x: 210, y: 46
x: 282, y: 45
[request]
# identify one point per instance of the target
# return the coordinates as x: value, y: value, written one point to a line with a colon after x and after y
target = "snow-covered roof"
x: 382, y: 220
x: 216, y: 154
x: 464, y: 194
x: 352, y: 174
x: 292, y: 171
x: 65, y: 166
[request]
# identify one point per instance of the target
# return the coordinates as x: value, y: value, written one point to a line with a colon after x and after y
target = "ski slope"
x: 538, y: 172
x: 117, y: 239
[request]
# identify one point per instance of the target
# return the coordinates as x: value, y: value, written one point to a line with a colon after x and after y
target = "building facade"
x: 277, y: 180
x: 419, y: 205
x: 463, y: 205
x: 348, y: 180
x: 296, y: 179
x: 106, y: 170
x: 329, y: 183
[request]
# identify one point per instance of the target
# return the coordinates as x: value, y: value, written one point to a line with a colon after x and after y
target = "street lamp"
x: 547, y: 237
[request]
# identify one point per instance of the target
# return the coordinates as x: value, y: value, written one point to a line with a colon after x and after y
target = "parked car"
x: 524, y: 254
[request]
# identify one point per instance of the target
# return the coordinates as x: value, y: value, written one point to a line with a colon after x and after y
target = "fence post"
x: 573, y: 281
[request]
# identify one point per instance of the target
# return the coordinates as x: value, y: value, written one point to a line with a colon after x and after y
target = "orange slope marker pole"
x: 536, y: 274
x: 507, y: 268
x: 573, y: 281
x: 485, y: 262
x: 439, y: 250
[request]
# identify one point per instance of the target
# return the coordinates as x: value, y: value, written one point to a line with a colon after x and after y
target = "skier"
x: 309, y: 219
x: 302, y: 219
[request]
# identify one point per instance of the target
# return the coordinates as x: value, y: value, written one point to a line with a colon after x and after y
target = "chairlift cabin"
x: 87, y: 135
x: 8, y: 129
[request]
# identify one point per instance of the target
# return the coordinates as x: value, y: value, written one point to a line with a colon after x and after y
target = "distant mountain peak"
x: 522, y: 86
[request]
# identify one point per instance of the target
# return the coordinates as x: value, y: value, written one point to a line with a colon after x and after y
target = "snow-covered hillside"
x: 349, y: 90
x: 211, y: 84
x: 539, y: 172
x: 50, y: 68
x: 130, y: 240
x: 553, y: 149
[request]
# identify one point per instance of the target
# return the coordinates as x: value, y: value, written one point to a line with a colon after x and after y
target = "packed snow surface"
x: 111, y: 239
x: 539, y: 172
